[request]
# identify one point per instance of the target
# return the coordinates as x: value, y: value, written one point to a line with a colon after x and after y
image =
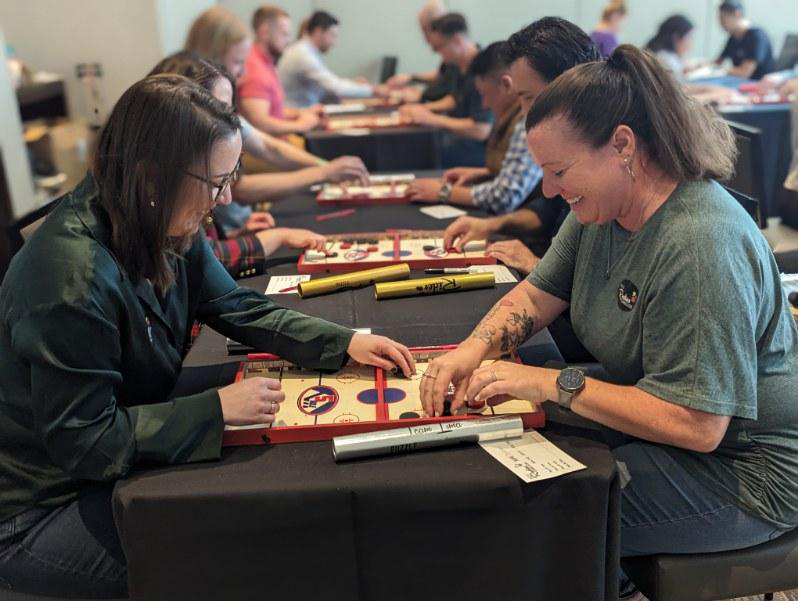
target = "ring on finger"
x: 495, y: 377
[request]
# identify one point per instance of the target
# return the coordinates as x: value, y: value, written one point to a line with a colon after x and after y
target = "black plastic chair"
x: 759, y: 570
x: 388, y: 68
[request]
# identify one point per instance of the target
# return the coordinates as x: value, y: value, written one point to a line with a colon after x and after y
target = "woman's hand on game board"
x: 251, y: 401
x: 424, y: 189
x: 346, y: 169
x: 383, y: 352
x: 460, y: 176
x: 466, y: 229
x: 454, y: 368
x: 505, y: 380
x: 299, y: 238
x: 514, y: 254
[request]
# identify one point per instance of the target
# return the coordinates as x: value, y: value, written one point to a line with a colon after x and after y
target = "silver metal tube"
x: 412, y: 438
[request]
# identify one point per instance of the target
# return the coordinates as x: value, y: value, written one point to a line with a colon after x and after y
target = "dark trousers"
x: 457, y: 151
x: 69, y: 551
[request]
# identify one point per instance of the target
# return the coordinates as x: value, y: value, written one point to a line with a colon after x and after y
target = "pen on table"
x: 446, y: 270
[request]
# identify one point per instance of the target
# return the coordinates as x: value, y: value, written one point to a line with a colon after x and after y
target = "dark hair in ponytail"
x: 673, y: 28
x: 687, y: 140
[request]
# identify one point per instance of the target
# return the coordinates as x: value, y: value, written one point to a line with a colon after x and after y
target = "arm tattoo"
x: 516, y: 330
x: 486, y: 332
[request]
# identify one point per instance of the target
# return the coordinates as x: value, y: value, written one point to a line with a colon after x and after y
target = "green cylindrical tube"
x: 438, y: 285
x: 355, y: 279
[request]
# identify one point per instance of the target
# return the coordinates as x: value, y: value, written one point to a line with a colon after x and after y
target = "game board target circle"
x: 346, y: 418
x: 356, y: 255
x: 317, y: 400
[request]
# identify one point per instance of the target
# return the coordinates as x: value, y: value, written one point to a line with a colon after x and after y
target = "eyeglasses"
x: 227, y: 180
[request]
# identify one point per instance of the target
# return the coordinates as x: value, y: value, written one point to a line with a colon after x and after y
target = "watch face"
x: 571, y: 379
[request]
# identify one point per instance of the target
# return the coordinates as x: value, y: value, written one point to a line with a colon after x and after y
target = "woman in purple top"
x: 605, y: 34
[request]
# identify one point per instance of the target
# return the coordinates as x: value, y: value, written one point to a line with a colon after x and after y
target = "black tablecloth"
x: 775, y: 123
x: 387, y: 149
x: 286, y: 522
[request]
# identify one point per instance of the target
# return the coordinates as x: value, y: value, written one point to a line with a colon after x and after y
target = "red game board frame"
x: 304, y: 266
x: 319, y: 432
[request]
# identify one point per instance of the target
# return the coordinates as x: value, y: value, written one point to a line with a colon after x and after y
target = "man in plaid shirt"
x: 513, y: 171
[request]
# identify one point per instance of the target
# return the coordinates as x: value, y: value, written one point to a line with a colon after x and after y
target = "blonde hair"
x: 614, y: 7
x: 214, y: 32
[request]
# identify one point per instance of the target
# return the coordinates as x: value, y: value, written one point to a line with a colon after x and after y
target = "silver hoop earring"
x: 628, y: 164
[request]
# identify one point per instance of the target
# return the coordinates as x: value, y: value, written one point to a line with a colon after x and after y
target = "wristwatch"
x: 445, y: 191
x: 570, y: 382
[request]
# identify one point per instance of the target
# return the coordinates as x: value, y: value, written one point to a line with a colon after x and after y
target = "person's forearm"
x: 259, y: 187
x: 280, y: 153
x: 744, y: 70
x: 272, y: 125
x: 447, y: 103
x: 461, y: 195
x: 633, y: 411
x: 522, y: 221
x: 508, y: 324
x: 464, y: 127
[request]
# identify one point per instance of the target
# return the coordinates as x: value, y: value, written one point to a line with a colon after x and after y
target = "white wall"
x: 371, y: 29
x: 14, y: 158
x: 128, y: 36
x: 174, y: 20
x: 54, y: 35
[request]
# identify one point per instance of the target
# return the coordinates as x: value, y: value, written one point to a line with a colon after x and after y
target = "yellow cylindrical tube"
x: 437, y: 285
x: 355, y: 279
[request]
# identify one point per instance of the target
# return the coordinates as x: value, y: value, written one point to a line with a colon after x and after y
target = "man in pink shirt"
x: 260, y: 93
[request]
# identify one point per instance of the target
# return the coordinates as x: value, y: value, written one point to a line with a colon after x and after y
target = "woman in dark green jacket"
x: 95, y: 317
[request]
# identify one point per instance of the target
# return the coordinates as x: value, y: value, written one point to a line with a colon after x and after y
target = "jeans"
x: 69, y: 551
x: 666, y: 510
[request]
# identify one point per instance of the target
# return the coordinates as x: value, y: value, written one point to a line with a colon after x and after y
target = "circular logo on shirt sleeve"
x: 627, y: 295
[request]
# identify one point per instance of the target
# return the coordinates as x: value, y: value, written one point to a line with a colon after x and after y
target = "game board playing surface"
x: 419, y: 248
x: 392, y: 119
x: 357, y: 398
x: 375, y: 193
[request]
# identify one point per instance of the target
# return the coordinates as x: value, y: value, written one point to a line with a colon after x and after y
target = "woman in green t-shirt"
x: 674, y: 290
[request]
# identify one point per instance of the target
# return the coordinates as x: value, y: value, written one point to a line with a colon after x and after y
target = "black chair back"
x: 749, y: 170
x: 750, y: 204
x: 20, y: 230
x: 788, y: 57
x: 388, y: 68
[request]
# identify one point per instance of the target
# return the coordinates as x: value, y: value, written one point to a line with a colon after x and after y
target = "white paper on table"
x: 442, y: 211
x: 281, y: 282
x: 500, y: 272
x: 362, y: 330
x: 790, y: 282
x: 531, y: 457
